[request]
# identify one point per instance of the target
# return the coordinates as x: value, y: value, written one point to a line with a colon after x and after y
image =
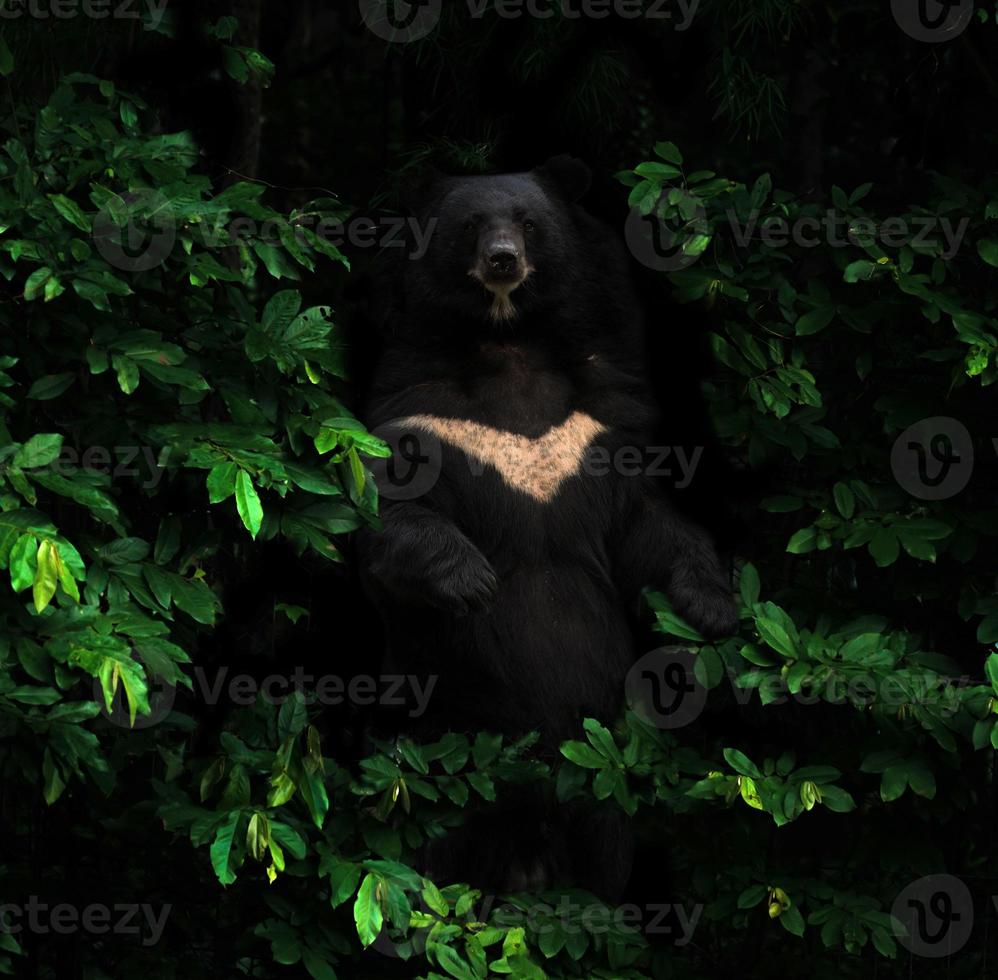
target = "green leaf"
x: 281, y: 310
x: 777, y: 629
x: 23, y: 562
x: 749, y: 793
x: 127, y: 371
x: 115, y: 669
x: 991, y: 670
x: 367, y: 914
x: 167, y: 540
x: 754, y: 655
x: 6, y: 59
x: 728, y: 356
x: 837, y: 800
x: 657, y: 171
x: 343, y: 878
x: 195, y: 599
x: 258, y: 835
x: 814, y: 321
x: 235, y: 64
x: 921, y: 780
x: 987, y: 249
x: 861, y: 269
x: 221, y: 848
x: 357, y: 472
x: 749, y: 585
x: 71, y: 211
x: 741, y: 763
x: 34, y: 695
x: 222, y: 482
x: 802, y: 541
x: 318, y: 967
x: 47, y: 575
x: 708, y: 668
x: 293, y: 716
x: 313, y: 792
x: 669, y: 152
x: 860, y: 192
x: 50, y: 386
x: 39, y: 450
x: 448, y: 959
x: 248, y: 503
x: 601, y: 740
x: 582, y: 755
x: 860, y: 647
x: 752, y: 896
x: 54, y: 784
x: 845, y: 500
x: 893, y: 782
x: 884, y: 547
x: 124, y: 551
x: 92, y: 293
x: 433, y: 899
x: 36, y: 282
x: 669, y: 622
x: 793, y: 921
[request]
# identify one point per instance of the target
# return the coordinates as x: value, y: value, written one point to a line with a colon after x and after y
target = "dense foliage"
x: 172, y: 407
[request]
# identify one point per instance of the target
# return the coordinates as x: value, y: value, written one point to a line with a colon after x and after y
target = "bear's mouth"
x: 501, y: 283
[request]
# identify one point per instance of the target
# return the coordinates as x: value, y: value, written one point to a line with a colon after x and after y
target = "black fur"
x: 522, y: 607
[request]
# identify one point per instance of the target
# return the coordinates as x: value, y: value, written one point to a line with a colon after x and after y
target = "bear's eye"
x: 469, y: 224
x: 528, y: 225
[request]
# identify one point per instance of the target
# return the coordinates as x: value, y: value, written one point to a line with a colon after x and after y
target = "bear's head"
x: 500, y: 247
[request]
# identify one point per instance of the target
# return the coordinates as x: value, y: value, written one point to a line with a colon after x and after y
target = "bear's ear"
x: 420, y: 186
x: 569, y: 174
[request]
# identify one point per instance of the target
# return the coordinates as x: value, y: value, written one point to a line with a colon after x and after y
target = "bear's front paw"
x: 462, y: 585
x: 709, y: 609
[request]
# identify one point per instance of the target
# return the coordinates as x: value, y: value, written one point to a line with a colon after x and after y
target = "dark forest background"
x: 793, y: 827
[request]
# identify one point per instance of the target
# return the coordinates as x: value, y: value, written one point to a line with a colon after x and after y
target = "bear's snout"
x: 502, y: 261
x: 501, y: 258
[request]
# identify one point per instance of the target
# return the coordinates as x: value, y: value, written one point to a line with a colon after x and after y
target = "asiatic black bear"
x: 513, y: 375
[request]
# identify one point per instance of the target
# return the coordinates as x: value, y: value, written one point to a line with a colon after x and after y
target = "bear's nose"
x: 502, y: 260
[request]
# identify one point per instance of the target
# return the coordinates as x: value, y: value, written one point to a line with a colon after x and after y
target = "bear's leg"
x: 512, y: 846
x: 601, y: 848
x: 660, y: 547
x: 422, y: 557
